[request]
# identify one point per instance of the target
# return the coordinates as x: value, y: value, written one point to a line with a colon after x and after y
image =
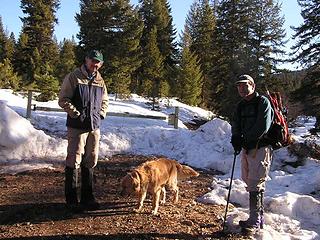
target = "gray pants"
x: 83, y: 148
x: 255, y: 166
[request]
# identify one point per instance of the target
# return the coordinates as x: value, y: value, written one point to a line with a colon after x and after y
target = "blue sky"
x: 10, y: 12
x: 67, y: 27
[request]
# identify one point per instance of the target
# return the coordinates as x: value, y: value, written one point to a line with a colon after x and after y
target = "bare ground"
x: 32, y: 207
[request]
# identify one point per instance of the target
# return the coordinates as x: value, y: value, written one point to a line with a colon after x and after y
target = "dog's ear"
x: 136, y: 180
x: 124, y: 179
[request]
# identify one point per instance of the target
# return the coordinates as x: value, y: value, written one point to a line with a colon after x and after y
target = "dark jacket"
x: 252, y: 119
x: 84, y: 99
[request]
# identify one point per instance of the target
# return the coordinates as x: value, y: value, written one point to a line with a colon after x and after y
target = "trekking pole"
x: 232, y: 171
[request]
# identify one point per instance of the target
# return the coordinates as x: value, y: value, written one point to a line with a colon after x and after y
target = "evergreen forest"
x: 144, y: 53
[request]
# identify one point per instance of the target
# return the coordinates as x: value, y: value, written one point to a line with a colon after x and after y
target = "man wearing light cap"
x: 252, y: 119
x: 84, y: 97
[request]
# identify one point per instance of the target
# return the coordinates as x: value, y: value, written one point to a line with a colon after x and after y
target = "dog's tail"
x: 186, y: 172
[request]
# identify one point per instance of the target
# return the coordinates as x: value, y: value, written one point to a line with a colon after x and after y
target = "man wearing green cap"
x: 83, y: 96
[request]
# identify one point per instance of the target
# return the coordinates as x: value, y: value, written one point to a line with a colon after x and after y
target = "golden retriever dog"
x: 152, y: 177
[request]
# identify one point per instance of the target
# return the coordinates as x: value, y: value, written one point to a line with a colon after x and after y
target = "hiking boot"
x: 90, y: 205
x: 255, y: 220
x: 74, y: 208
x: 88, y: 201
x: 70, y: 186
x: 250, y: 224
x: 70, y: 190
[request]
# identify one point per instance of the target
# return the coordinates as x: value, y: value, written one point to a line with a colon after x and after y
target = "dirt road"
x: 32, y: 207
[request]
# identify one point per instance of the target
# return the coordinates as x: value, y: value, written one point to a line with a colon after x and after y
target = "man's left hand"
x: 236, y: 142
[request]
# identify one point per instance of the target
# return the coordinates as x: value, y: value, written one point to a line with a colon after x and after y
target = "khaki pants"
x: 83, y: 148
x: 255, y: 166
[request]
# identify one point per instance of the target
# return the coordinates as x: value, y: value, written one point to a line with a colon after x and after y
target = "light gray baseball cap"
x: 245, y: 78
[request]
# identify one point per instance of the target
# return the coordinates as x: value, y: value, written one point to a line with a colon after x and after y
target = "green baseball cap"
x: 96, y: 55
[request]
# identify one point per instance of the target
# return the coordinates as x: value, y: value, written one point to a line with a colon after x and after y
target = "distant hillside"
x: 291, y: 81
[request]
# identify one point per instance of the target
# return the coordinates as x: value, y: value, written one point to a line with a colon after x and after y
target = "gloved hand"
x: 74, y: 114
x: 71, y: 110
x: 236, y: 142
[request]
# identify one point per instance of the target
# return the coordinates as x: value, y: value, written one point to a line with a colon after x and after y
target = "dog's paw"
x: 155, y: 213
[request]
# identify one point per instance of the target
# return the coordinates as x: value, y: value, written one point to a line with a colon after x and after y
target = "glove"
x: 74, y: 114
x: 236, y: 142
x: 71, y: 110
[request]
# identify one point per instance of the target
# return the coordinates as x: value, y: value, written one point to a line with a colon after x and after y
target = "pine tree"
x: 227, y: 42
x: 170, y: 52
x: 92, y: 23
x: 308, y: 94
x: 37, y: 51
x: 67, y: 58
x: 266, y: 41
x: 307, y: 52
x: 115, y: 28
x: 128, y: 57
x: 157, y: 13
x: 8, y: 78
x: 21, y: 60
x: 2, y: 41
x: 10, y: 46
x: 6, y: 43
x: 307, y: 48
x: 49, y: 86
x: 250, y: 39
x: 152, y: 62
x: 201, y: 23
x: 190, y: 75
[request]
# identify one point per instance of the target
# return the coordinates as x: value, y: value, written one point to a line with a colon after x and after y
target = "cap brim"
x: 242, y: 81
x: 97, y: 59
